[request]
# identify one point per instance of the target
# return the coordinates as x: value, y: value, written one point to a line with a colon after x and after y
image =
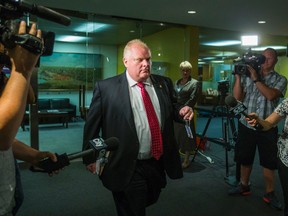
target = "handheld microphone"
x: 237, y: 107
x: 98, y: 145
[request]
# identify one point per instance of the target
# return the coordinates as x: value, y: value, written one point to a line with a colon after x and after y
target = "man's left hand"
x: 187, y: 113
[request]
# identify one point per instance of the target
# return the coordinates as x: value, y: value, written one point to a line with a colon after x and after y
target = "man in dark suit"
x: 132, y: 173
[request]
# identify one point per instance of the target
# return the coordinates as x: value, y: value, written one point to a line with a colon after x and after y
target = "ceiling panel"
x: 217, y: 19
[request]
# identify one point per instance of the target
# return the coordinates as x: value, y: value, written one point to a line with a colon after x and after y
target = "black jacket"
x: 110, y: 115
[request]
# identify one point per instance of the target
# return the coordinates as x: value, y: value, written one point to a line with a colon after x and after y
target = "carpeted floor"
x: 202, y: 191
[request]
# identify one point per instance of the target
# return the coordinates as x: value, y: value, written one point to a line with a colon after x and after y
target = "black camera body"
x: 11, y: 11
x: 253, y: 60
x: 223, y: 87
x: 9, y: 37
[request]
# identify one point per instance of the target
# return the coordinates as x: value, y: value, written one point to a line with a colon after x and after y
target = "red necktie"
x: 156, y: 147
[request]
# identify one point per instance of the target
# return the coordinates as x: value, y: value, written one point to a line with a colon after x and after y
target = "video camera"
x: 11, y: 11
x: 223, y: 87
x: 253, y: 60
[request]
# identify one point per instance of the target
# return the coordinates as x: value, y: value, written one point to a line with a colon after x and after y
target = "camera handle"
x: 30, y: 42
x: 27, y: 41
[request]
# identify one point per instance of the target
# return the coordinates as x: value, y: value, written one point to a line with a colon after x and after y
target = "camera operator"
x: 260, y: 92
x: 13, y: 97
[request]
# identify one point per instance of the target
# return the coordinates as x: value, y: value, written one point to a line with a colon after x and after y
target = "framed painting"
x: 67, y: 71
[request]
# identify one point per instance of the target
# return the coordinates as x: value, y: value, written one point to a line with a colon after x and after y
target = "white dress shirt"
x: 140, y: 117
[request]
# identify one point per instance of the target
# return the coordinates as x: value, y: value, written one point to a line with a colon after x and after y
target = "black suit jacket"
x: 110, y: 115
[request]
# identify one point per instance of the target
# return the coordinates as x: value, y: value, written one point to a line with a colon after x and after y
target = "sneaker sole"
x: 267, y: 201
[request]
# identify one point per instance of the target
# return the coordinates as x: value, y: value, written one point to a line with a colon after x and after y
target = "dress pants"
x: 143, y: 190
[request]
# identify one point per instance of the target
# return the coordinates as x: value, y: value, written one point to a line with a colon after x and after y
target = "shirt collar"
x: 132, y: 82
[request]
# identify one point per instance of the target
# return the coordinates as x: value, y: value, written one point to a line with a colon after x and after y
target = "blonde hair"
x: 185, y: 65
x: 133, y: 42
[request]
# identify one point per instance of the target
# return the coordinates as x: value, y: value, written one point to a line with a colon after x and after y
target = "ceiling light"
x: 208, y: 58
x: 69, y: 38
x: 249, y: 40
x: 192, y: 12
x: 222, y: 43
x: 217, y: 61
x: 262, y: 22
x: 90, y: 27
x: 226, y: 53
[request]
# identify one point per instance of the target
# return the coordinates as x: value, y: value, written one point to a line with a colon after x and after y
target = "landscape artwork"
x: 68, y: 71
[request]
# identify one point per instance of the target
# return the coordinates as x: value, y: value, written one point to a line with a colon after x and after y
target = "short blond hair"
x: 131, y: 43
x: 185, y: 65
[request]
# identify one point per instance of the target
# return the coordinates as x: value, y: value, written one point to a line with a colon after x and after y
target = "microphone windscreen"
x: 112, y: 143
x: 49, y: 14
x: 231, y: 101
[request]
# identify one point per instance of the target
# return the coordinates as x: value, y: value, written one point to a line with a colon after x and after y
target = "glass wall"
x: 88, y: 50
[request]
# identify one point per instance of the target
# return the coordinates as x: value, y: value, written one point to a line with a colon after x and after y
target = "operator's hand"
x: 21, y: 59
x: 253, y: 73
x: 91, y: 167
x: 187, y: 113
x: 42, y: 155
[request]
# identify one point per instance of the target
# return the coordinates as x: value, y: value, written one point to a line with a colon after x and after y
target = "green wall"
x: 180, y: 44
x: 174, y: 45
x: 282, y: 68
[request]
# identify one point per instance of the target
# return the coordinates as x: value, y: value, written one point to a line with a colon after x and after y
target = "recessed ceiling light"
x: 227, y: 53
x: 70, y: 38
x: 261, y: 21
x: 222, y: 43
x: 191, y: 12
x: 209, y: 58
x: 90, y: 27
x: 217, y: 61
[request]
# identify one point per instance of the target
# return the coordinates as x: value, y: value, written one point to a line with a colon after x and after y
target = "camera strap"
x: 29, y: 42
